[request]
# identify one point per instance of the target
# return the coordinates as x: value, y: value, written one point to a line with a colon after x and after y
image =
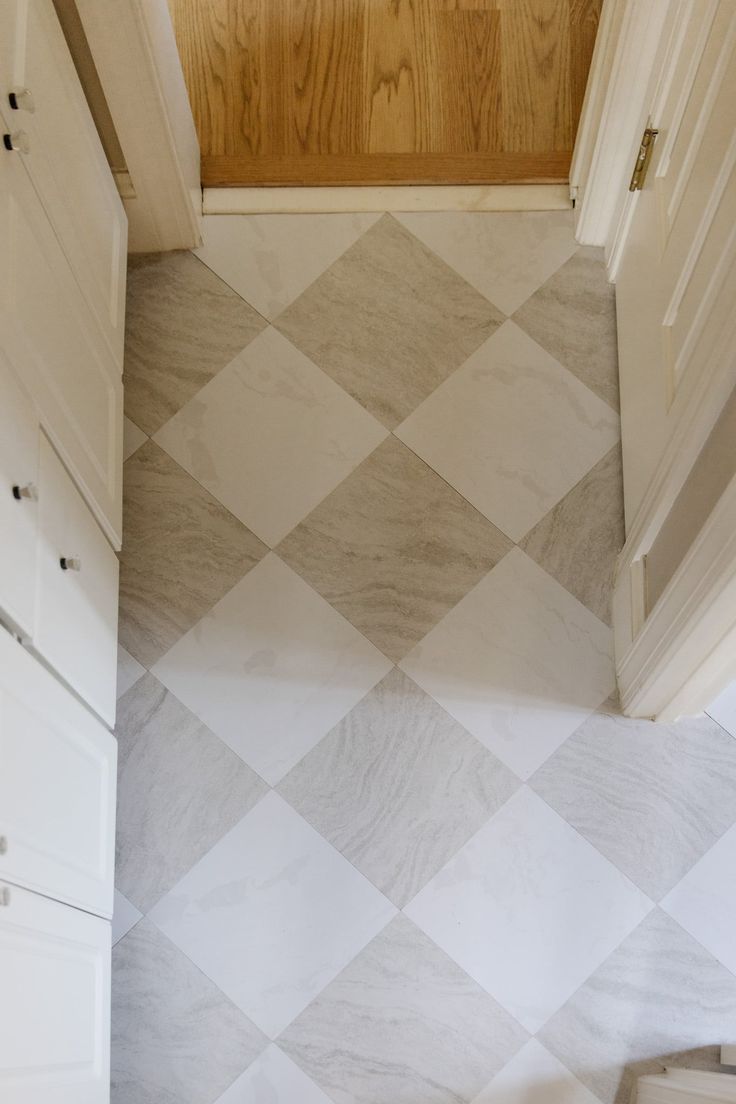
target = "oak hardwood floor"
x: 385, y: 91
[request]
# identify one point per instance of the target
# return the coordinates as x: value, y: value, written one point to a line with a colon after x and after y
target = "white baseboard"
x: 467, y: 197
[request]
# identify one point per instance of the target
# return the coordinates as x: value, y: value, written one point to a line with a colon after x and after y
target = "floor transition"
x: 384, y: 837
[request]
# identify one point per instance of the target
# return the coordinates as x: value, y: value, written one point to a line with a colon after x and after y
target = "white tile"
x: 530, y: 430
x: 270, y: 259
x: 129, y: 670
x: 271, y: 668
x: 133, y: 438
x: 704, y: 902
x: 272, y: 914
x: 529, y: 909
x: 534, y: 1076
x: 518, y: 661
x: 124, y: 916
x: 274, y: 1079
x: 270, y: 436
x: 504, y: 256
x: 723, y: 709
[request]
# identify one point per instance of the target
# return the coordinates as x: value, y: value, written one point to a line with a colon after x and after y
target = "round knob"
x: 70, y: 563
x: 27, y: 491
x: 21, y: 99
x: 3, y: 845
x: 18, y: 140
x: 4, y: 896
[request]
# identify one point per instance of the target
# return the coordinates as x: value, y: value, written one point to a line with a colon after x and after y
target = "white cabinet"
x: 19, y: 435
x: 77, y: 594
x: 55, y: 1005
x: 57, y: 788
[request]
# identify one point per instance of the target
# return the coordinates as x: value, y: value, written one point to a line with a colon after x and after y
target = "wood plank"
x: 584, y: 20
x: 470, y: 79
x: 550, y: 167
x: 203, y: 38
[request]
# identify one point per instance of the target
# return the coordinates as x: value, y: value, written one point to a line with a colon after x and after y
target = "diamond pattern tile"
x: 271, y: 668
x: 272, y: 914
x: 398, y: 786
x: 519, y: 662
x: 176, y: 1039
x: 530, y: 430
x: 573, y: 315
x: 651, y: 797
x: 534, y: 1076
x: 270, y: 436
x: 183, y: 325
x: 393, y: 548
x: 402, y: 1024
x: 179, y: 790
x: 273, y: 1079
x: 389, y: 321
x: 505, y: 256
x: 528, y: 909
x: 659, y: 999
x: 181, y: 551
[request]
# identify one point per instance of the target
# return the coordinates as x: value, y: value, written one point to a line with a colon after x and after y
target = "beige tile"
x: 183, y: 325
x: 181, y: 552
x: 393, y: 548
x: 389, y: 321
x: 573, y: 316
x: 133, y: 438
x: 579, y: 539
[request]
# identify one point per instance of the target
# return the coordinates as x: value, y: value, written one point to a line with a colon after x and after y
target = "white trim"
x: 472, y: 197
x: 134, y: 50
x: 692, y: 1085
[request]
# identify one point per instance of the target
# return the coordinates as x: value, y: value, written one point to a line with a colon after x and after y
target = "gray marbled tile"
x: 393, y: 548
x: 183, y: 324
x: 180, y: 789
x: 182, y: 550
x: 402, y: 1025
x: 659, y: 999
x: 573, y: 316
x: 176, y: 1039
x: 651, y: 797
x: 389, y: 321
x: 398, y: 786
x: 578, y: 541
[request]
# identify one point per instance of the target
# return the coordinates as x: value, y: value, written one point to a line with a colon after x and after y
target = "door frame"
x: 678, y: 657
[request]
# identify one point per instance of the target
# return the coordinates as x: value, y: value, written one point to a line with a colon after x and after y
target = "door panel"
x: 19, y: 433
x: 55, y: 1007
x: 57, y: 787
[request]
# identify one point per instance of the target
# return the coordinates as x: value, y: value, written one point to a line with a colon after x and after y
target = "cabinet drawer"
x: 57, y: 787
x: 77, y: 593
x: 55, y: 1007
x: 19, y: 435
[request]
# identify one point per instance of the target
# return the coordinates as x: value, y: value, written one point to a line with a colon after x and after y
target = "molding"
x: 615, y: 110
x: 686, y: 1086
x: 471, y: 197
x: 135, y: 54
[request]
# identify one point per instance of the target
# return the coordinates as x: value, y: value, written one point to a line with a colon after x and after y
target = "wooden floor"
x: 385, y: 91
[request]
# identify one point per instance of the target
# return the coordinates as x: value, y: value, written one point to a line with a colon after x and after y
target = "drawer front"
x: 57, y: 787
x: 65, y: 160
x: 19, y: 435
x: 55, y: 1007
x: 77, y: 591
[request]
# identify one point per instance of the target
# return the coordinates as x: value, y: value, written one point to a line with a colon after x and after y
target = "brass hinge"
x: 643, y: 158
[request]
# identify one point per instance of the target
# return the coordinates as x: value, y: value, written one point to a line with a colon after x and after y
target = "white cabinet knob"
x: 4, y: 896
x: 21, y: 99
x: 27, y: 491
x: 18, y: 140
x: 70, y: 563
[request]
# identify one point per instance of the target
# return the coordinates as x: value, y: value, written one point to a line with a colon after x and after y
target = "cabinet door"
x: 18, y: 503
x: 55, y: 1007
x: 55, y: 346
x: 57, y: 787
x: 66, y: 161
x: 77, y: 591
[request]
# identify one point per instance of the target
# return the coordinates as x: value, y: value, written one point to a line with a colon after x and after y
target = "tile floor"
x: 383, y: 836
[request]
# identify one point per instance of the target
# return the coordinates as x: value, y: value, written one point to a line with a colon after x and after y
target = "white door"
x: 55, y: 1002
x: 57, y: 788
x: 19, y: 434
x: 676, y: 283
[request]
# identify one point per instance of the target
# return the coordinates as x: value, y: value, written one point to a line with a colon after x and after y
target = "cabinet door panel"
x: 57, y: 787
x: 76, y: 605
x: 55, y: 1007
x: 18, y: 505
